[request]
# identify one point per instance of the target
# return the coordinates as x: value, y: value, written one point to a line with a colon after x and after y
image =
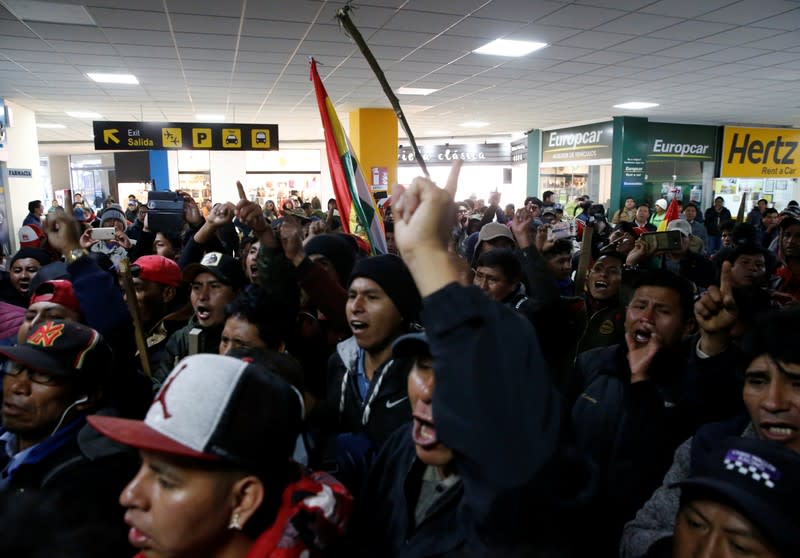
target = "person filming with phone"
x: 667, y: 250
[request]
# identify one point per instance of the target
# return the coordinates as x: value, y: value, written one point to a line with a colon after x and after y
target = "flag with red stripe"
x: 357, y: 208
x: 672, y: 213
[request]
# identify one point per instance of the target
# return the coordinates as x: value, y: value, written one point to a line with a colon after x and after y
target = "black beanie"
x: 34, y: 253
x: 393, y: 276
x: 336, y: 249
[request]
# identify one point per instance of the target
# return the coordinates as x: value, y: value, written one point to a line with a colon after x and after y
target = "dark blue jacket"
x: 495, y: 407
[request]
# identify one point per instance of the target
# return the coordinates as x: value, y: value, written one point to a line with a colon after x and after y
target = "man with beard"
x: 634, y: 403
x: 214, y: 282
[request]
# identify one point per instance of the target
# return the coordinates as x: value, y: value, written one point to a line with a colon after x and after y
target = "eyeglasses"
x: 36, y: 376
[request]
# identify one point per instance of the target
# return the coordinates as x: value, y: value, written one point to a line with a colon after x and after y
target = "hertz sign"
x: 137, y: 136
x: 760, y: 153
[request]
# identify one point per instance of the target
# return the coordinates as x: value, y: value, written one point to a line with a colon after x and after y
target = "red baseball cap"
x: 157, y: 269
x: 58, y: 291
x: 31, y: 236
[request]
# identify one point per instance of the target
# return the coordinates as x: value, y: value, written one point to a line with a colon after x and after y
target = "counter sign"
x: 136, y: 136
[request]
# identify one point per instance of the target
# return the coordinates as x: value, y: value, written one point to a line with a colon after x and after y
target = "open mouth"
x: 424, y: 432
x: 202, y: 313
x: 642, y: 335
x: 253, y: 271
x: 357, y: 326
x: 601, y: 285
x: 778, y: 431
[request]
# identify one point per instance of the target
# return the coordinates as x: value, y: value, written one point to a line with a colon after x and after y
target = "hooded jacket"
x: 385, y: 407
x: 177, y: 346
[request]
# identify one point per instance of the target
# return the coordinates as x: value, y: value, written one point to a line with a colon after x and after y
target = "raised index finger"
x: 452, y: 179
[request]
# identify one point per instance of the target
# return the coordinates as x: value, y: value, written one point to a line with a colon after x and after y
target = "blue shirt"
x: 10, y: 444
x: 361, y: 376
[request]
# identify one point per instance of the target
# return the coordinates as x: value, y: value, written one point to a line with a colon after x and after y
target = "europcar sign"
x: 681, y: 141
x: 580, y: 143
x: 760, y: 153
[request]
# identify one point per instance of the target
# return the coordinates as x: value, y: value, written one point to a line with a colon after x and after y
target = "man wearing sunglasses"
x: 49, y: 458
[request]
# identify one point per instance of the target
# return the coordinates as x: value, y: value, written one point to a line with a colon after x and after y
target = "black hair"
x: 673, y: 281
x: 770, y: 211
x: 561, y: 246
x: 559, y: 210
x: 744, y: 233
x: 269, y: 314
x: 726, y: 226
x: 613, y: 254
x: 644, y: 204
x: 719, y: 198
x: 388, y: 226
x: 504, y: 259
x: 775, y: 333
x: 762, y: 199
x: 792, y: 203
x: 32, y: 205
x: 547, y: 194
x: 533, y: 199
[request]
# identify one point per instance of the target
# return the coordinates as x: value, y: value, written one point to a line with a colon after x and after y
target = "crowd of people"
x: 532, y: 381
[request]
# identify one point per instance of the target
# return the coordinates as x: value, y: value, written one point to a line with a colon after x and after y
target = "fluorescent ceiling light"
x: 128, y: 79
x: 415, y: 91
x: 49, y: 126
x: 83, y: 114
x: 210, y: 117
x: 48, y: 12
x: 474, y: 124
x: 636, y: 105
x: 506, y: 47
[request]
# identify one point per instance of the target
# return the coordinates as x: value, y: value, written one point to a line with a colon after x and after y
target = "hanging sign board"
x: 137, y: 136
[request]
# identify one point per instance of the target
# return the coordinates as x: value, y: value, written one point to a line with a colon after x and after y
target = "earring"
x: 234, y: 524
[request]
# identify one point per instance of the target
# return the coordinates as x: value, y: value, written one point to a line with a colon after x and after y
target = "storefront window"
x: 278, y: 176
x: 777, y: 192
x: 93, y: 177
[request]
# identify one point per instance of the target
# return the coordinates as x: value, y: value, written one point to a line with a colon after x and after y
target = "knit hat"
x: 31, y: 236
x: 34, y: 253
x: 791, y: 216
x: 112, y: 212
x: 157, y: 269
x: 216, y: 408
x: 758, y: 478
x: 336, y: 249
x: 662, y: 203
x: 392, y: 275
x: 58, y: 292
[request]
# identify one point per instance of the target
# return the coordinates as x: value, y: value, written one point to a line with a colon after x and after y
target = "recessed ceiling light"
x: 415, y: 91
x: 506, y: 47
x: 128, y: 79
x: 83, y: 114
x: 49, y: 12
x: 49, y: 126
x: 474, y: 124
x: 636, y: 105
x: 209, y: 117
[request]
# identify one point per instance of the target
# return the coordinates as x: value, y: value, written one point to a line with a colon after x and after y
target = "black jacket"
x: 712, y: 219
x: 495, y: 407
x: 386, y: 406
x: 631, y: 430
x: 66, y: 503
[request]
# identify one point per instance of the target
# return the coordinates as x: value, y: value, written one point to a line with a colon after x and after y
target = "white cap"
x: 662, y: 203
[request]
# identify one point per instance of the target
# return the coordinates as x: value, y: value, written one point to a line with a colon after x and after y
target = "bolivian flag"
x: 357, y: 208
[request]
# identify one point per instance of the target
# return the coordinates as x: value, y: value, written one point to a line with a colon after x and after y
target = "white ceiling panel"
x: 600, y: 52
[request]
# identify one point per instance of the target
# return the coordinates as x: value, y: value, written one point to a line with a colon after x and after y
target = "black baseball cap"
x: 222, y: 266
x: 411, y: 345
x: 64, y: 348
x: 758, y: 478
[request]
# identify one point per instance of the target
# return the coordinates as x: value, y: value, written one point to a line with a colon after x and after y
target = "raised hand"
x: 63, y: 232
x: 191, y: 213
x: 221, y: 214
x: 252, y: 216
x: 292, y: 240
x: 520, y: 226
x: 716, y: 311
x: 423, y: 219
x: 640, y: 357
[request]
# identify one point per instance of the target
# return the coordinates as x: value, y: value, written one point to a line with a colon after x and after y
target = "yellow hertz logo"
x: 760, y: 152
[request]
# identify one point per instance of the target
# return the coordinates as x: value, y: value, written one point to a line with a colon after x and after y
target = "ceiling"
x: 703, y: 61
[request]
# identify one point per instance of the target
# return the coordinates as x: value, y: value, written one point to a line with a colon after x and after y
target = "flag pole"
x: 343, y: 15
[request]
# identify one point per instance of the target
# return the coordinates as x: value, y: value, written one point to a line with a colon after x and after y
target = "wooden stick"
x: 133, y: 308
x: 742, y: 207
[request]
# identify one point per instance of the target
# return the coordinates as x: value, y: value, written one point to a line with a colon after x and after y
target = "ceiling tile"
x: 644, y: 45
x: 690, y: 30
x: 594, y: 39
x: 739, y: 36
x: 605, y: 57
x: 788, y: 21
x: 582, y: 17
x: 139, y: 37
x: 690, y: 50
x: 130, y: 19
x: 686, y: 8
x: 749, y: 11
x: 638, y: 23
